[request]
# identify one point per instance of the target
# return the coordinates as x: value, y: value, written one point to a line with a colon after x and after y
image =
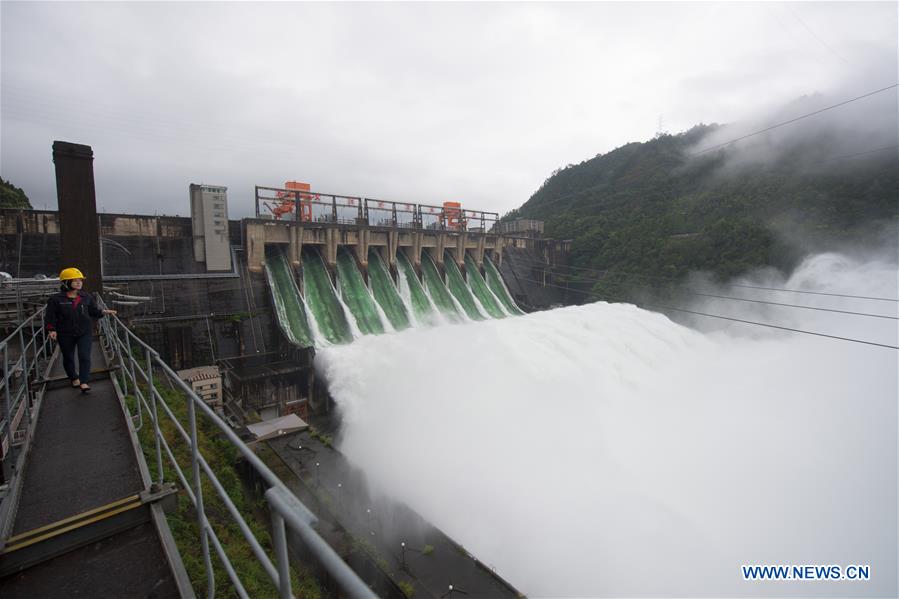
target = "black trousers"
x: 68, y: 345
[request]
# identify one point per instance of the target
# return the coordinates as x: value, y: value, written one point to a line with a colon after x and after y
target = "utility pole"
x: 79, y: 231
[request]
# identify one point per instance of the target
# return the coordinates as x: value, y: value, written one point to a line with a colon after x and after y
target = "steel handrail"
x: 38, y: 313
x: 245, y: 529
x: 283, y: 504
x: 31, y: 337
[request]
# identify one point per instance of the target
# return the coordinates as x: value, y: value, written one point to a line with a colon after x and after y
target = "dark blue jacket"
x: 67, y: 319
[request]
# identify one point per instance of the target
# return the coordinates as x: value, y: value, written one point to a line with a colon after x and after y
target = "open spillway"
x: 498, y: 287
x: 385, y: 291
x: 457, y: 286
x: 478, y: 286
x: 321, y: 297
x: 286, y: 298
x: 437, y: 290
x: 336, y: 307
x: 413, y: 293
x: 356, y: 295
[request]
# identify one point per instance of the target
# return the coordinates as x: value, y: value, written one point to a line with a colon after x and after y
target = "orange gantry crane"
x: 286, y: 201
x: 452, y: 213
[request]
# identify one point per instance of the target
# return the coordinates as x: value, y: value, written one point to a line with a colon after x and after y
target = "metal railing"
x: 316, y: 207
x: 139, y: 365
x: 477, y: 221
x: 296, y: 205
x: 18, y: 297
x: 31, y: 350
x: 25, y: 352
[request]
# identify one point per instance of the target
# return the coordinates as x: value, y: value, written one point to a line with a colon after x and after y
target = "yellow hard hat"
x: 70, y: 273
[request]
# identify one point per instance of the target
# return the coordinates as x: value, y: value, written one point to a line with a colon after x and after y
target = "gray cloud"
x: 414, y: 102
x: 859, y: 118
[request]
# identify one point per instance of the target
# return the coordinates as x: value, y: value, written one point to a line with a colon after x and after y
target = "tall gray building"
x: 209, y: 216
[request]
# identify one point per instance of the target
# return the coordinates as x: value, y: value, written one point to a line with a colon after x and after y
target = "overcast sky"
x: 476, y: 103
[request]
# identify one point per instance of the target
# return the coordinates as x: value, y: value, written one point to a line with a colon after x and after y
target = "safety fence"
x: 138, y: 366
x: 24, y: 353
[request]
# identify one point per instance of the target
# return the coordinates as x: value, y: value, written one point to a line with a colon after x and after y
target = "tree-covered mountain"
x: 664, y: 208
x: 12, y: 196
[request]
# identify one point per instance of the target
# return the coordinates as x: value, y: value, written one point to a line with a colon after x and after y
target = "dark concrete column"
x: 79, y: 233
x: 461, y: 242
x: 479, y: 251
x: 393, y: 241
x: 332, y: 241
x: 441, y: 245
x: 417, y: 239
x: 295, y: 249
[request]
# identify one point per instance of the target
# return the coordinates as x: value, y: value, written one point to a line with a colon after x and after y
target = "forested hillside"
x: 661, y: 209
x: 12, y: 197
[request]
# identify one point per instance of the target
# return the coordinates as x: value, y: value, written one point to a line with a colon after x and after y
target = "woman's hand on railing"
x: 110, y: 312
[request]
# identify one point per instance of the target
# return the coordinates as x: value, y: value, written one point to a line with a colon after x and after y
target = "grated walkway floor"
x: 82, y: 457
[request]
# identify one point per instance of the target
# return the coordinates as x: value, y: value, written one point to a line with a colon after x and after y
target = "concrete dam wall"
x: 264, y: 312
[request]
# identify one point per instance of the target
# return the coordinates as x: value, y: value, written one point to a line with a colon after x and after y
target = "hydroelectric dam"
x: 335, y: 277
x: 225, y: 316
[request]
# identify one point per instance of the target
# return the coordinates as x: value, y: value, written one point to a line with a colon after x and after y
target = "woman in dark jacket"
x: 70, y: 321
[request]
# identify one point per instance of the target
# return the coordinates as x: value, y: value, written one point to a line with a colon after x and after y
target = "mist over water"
x: 605, y: 450
x: 869, y: 276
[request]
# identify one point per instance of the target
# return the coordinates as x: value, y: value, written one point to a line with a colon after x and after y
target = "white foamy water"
x: 604, y: 450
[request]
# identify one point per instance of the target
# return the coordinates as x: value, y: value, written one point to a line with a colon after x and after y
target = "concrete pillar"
x: 79, y: 233
x: 479, y: 251
x: 441, y: 245
x: 331, y: 241
x: 255, y: 251
x: 460, y: 249
x: 362, y: 241
x: 393, y: 241
x: 295, y: 249
x: 417, y: 238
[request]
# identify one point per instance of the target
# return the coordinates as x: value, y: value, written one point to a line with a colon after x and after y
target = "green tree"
x: 12, y: 196
x: 656, y: 210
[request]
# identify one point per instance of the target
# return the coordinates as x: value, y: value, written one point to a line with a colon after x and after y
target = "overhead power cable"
x: 743, y: 299
x: 812, y: 33
x: 857, y: 154
x: 685, y: 310
x: 758, y: 301
x: 675, y: 279
x: 793, y: 120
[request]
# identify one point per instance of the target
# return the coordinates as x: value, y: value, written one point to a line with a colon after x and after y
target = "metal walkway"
x: 79, y: 512
x: 84, y: 510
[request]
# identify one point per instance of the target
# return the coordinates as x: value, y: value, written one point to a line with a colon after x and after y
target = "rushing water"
x: 356, y: 295
x: 604, y: 450
x: 289, y: 307
x: 498, y: 287
x: 459, y: 288
x: 438, y: 291
x: 418, y: 304
x: 330, y: 313
x: 485, y: 297
x: 385, y: 291
x: 321, y: 297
